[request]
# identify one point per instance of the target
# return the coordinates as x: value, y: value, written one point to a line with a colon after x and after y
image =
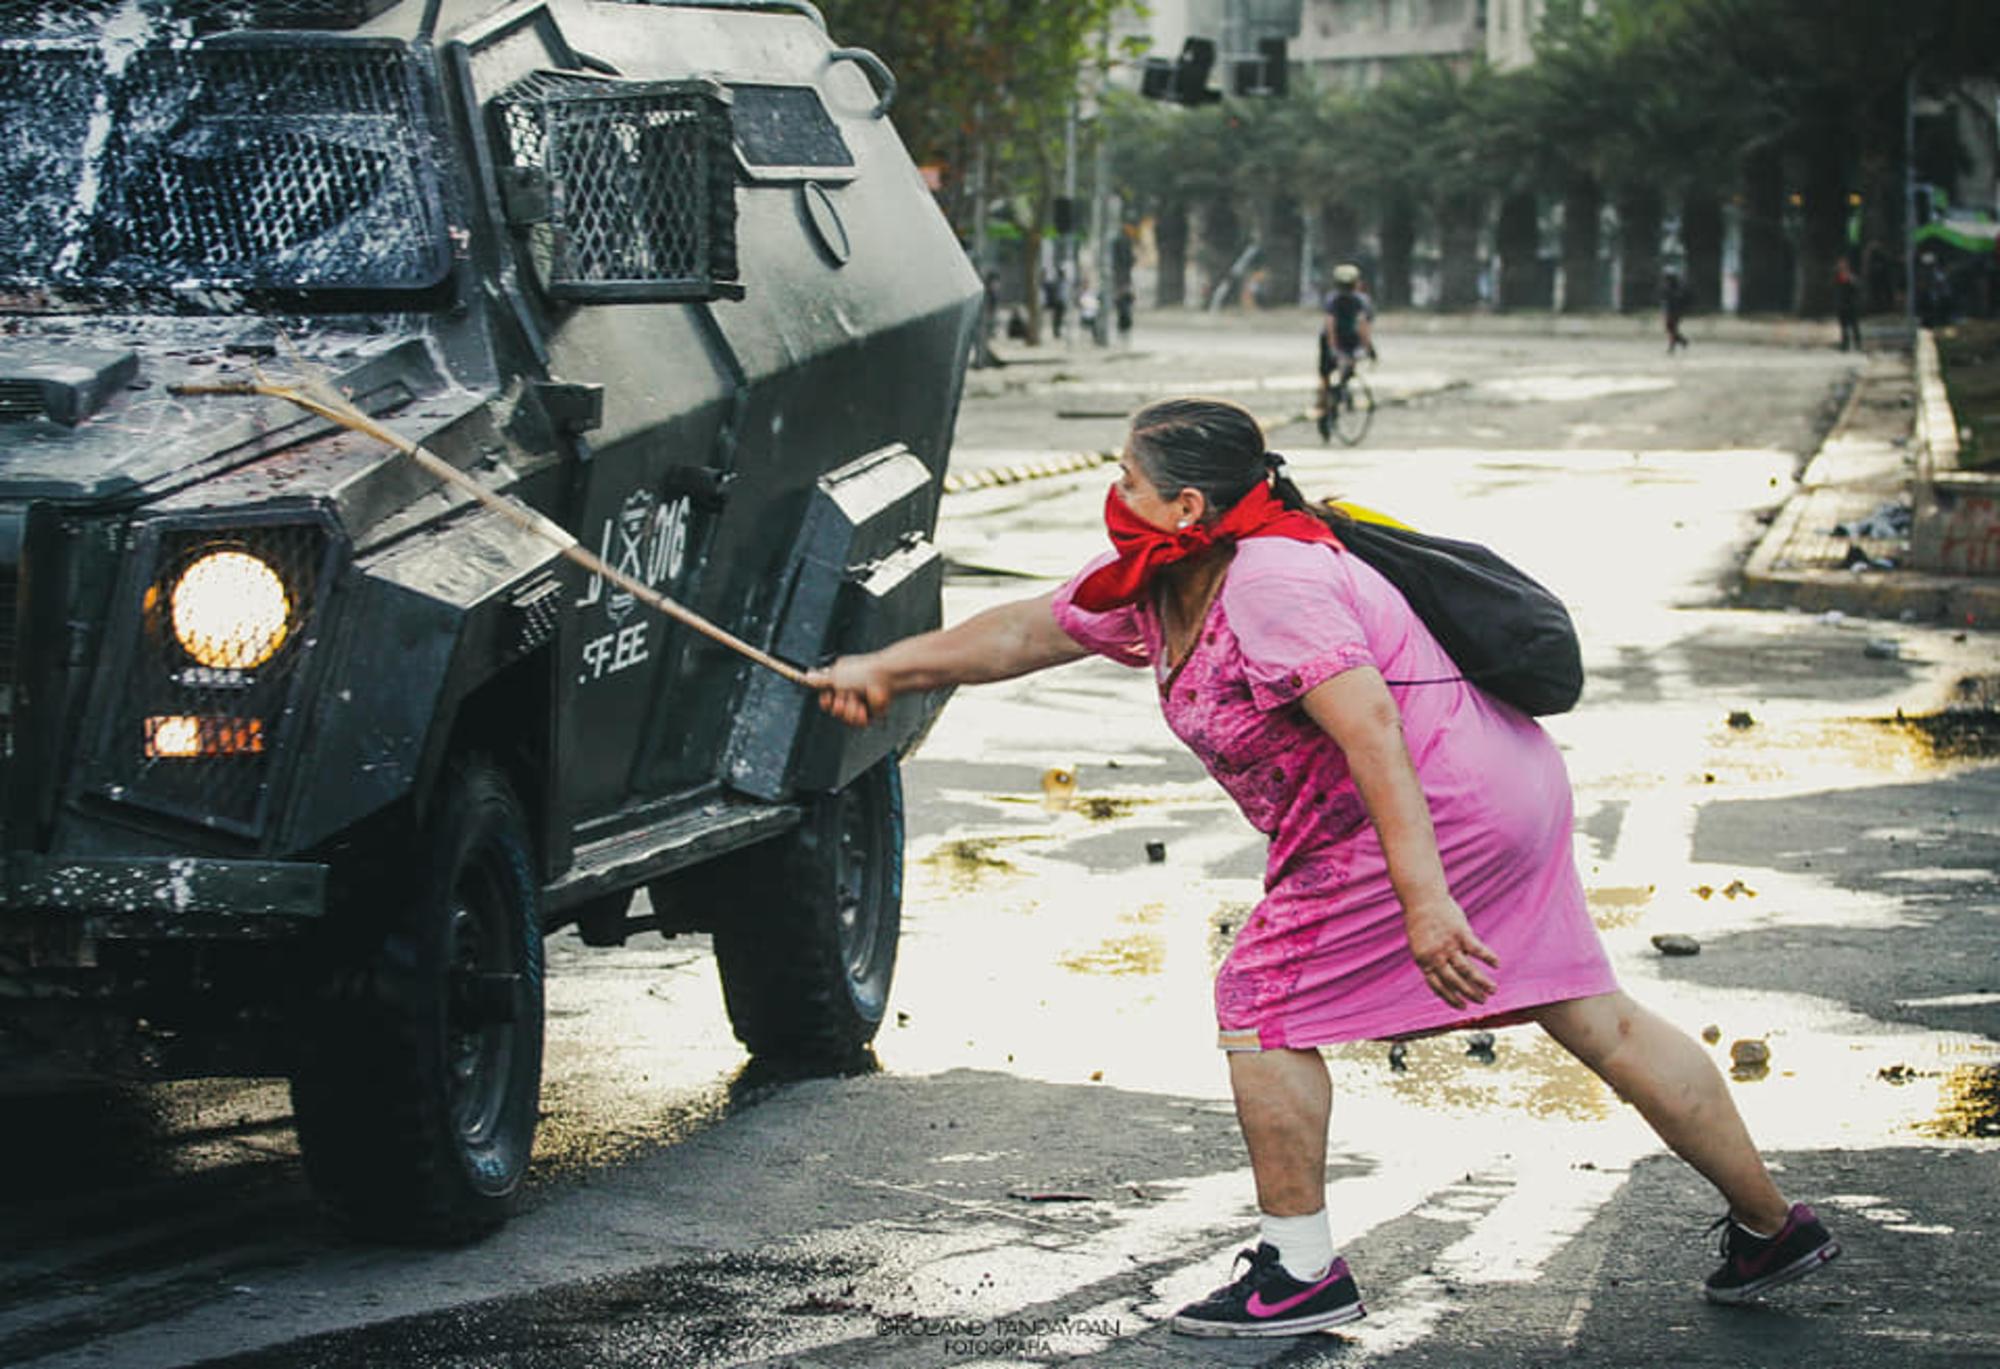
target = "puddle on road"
x: 967, y: 862
x: 1143, y: 952
x: 1140, y: 953
x: 1950, y: 735
x: 1526, y: 1072
x: 1619, y: 905
x: 1797, y: 754
x: 1969, y: 1104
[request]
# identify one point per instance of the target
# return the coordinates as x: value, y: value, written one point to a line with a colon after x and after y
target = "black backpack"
x: 1503, y: 629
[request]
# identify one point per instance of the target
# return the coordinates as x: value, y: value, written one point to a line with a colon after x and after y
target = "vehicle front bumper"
x: 160, y: 897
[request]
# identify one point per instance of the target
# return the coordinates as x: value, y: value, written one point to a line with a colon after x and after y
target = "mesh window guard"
x: 56, y: 16
x: 296, y: 164
x: 628, y: 188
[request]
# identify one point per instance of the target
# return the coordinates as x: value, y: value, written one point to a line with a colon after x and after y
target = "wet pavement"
x: 1043, y: 1163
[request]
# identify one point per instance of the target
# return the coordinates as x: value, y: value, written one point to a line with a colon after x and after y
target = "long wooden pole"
x: 347, y: 416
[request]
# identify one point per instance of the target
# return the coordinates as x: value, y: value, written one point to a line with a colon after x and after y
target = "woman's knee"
x: 1592, y: 1029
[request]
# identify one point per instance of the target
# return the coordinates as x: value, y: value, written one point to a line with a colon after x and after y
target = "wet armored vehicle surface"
x: 303, y: 752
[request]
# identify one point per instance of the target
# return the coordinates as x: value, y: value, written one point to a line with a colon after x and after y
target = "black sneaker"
x: 1753, y: 1263
x: 1266, y: 1301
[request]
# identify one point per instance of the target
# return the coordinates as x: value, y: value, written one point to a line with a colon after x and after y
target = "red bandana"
x: 1144, y: 550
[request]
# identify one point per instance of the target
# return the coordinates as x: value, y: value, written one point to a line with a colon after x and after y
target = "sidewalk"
x: 1842, y: 542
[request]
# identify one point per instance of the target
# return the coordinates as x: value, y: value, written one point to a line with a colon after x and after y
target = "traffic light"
x: 1276, y: 65
x: 1191, y: 72
x: 1185, y: 80
x: 1065, y: 215
x: 1263, y: 74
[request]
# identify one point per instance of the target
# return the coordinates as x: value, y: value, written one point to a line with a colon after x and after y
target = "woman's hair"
x: 1212, y: 446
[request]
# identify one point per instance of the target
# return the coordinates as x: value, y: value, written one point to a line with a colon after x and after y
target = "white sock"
x: 1304, y: 1244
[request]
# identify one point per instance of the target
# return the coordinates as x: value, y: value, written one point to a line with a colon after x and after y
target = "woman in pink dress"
x: 1420, y: 875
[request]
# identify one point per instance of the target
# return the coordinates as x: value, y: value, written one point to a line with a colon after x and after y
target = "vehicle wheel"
x: 806, y: 966
x: 1355, y: 412
x: 419, y: 1077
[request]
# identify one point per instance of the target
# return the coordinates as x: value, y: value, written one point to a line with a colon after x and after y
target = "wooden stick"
x: 338, y: 410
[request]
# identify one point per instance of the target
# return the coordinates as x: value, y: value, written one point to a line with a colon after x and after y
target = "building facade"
x: 1356, y: 44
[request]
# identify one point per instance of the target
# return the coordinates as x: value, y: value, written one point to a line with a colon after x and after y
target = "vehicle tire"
x: 1357, y: 410
x: 418, y: 1082
x: 806, y: 965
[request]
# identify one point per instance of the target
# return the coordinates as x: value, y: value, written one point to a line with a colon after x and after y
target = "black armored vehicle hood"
x: 91, y: 414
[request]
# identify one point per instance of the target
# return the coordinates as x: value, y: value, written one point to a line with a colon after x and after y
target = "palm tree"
x: 1422, y: 150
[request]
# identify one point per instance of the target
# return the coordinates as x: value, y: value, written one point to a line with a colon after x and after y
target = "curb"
x: 988, y: 477
x: 1956, y: 600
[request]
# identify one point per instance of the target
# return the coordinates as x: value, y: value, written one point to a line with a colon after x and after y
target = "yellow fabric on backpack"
x: 1363, y: 514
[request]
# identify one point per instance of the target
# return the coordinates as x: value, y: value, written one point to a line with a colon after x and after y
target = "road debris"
x: 1711, y: 1033
x: 1058, y: 787
x: 1740, y: 718
x: 1751, y: 1053
x: 1676, y: 943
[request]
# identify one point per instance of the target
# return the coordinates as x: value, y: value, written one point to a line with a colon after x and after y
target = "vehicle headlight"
x: 230, y: 610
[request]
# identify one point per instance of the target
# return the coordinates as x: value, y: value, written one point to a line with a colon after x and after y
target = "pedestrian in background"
x: 1673, y: 303
x: 1053, y: 300
x: 1421, y: 876
x: 1933, y: 292
x: 1847, y: 303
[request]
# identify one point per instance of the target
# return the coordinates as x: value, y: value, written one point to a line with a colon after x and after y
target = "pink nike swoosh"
x: 1257, y: 1307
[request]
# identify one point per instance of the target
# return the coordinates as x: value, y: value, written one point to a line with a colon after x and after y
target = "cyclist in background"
x: 1347, y: 331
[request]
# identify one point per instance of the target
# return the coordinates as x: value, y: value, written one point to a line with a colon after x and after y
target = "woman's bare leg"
x: 1660, y: 1070
x: 1284, y: 1101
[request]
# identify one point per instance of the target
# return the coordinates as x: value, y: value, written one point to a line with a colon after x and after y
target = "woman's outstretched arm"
x: 1356, y: 710
x: 997, y: 644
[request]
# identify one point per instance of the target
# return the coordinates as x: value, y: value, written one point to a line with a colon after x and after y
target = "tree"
x: 1831, y: 75
x: 984, y: 82
x: 1425, y: 149
x: 1173, y: 163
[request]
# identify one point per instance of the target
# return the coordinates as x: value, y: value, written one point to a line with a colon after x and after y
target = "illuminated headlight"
x: 230, y: 610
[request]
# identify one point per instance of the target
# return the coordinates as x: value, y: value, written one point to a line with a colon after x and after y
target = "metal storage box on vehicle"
x: 303, y: 753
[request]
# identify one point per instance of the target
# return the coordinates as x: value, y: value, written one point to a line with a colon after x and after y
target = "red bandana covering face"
x: 1144, y: 550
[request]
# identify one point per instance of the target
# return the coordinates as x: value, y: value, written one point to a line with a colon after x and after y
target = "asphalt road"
x: 1044, y: 1165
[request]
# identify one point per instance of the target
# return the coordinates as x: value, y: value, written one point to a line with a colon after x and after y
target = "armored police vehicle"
x: 304, y: 753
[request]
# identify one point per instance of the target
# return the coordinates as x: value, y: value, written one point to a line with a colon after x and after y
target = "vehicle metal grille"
x: 20, y: 399
x: 228, y: 164
x: 45, y: 104
x: 49, y: 16
x: 640, y: 179
x: 205, y: 701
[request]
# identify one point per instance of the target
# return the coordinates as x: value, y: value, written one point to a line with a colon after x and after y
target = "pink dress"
x: 1324, y: 958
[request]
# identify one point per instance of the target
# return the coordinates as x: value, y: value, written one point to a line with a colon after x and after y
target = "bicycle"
x: 1350, y: 408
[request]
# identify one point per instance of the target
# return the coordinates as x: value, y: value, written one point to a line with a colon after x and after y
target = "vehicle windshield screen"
x: 220, y: 166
